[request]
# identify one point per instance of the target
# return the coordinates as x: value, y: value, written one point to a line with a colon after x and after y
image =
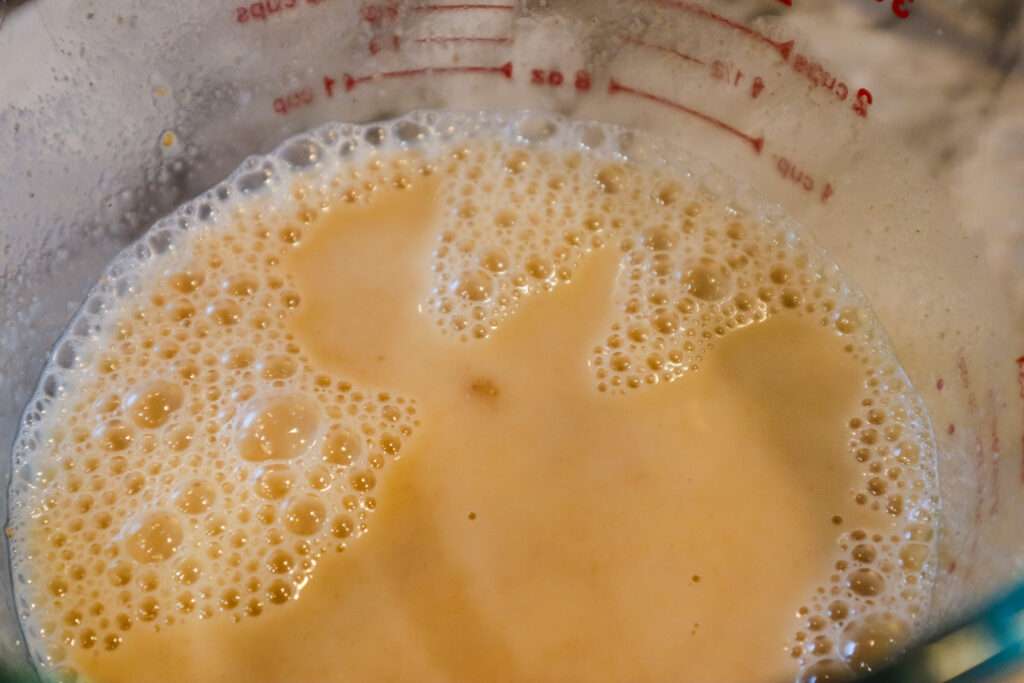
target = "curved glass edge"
x: 983, y: 646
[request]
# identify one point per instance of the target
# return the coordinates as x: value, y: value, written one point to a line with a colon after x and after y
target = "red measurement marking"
x: 379, y: 43
x: 380, y: 13
x: 293, y: 100
x: 352, y: 81
x: 996, y: 451
x: 979, y: 470
x: 757, y: 143
x: 730, y: 74
x: 444, y: 40
x: 784, y: 48
x: 899, y: 7
x: 583, y: 81
x: 800, y: 177
x: 1020, y: 383
x: 462, y: 8
x: 555, y: 78
x: 819, y: 77
x: 864, y: 100
x: 661, y: 48
x: 965, y: 380
x: 264, y: 9
x: 985, y: 462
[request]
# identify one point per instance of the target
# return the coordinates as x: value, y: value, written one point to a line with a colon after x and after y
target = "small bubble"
x: 237, y: 358
x: 280, y: 562
x: 187, y: 281
x: 876, y: 486
x: 791, y: 298
x: 918, y: 532
x: 342, y: 527
x: 665, y: 323
x: 120, y: 574
x: 867, y: 644
x: 229, y: 599
x: 538, y: 268
x: 114, y: 435
x: 659, y: 240
x: 279, y: 592
x: 319, y: 478
x: 195, y: 498
x: 225, y: 312
x: 153, y: 538
x: 277, y: 366
x: 908, y: 453
x: 112, y: 641
x: 304, y: 516
x: 838, y: 610
x: 240, y: 286
x: 149, y: 609
x: 707, y: 281
x: 274, y: 482
x: 821, y: 645
x: 390, y: 444
x: 290, y: 235
x: 611, y: 179
x: 864, y: 553
x: 185, y: 603
x: 865, y: 582
x: 363, y: 481
x: 180, y: 438
x: 279, y: 429
x: 474, y: 285
x: 913, y: 556
x: 516, y: 162
x: 342, y: 447
x: 894, y: 505
x: 152, y: 405
x: 495, y: 260
x: 780, y: 275
x: 620, y: 362
x: 848, y: 322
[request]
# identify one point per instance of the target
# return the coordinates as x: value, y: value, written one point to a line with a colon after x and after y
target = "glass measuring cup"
x: 822, y: 111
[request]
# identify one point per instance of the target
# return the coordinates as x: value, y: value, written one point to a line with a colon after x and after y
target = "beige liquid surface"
x: 530, y: 527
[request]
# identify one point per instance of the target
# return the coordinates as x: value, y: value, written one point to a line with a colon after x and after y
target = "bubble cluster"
x: 194, y: 460
x: 879, y: 591
x: 184, y: 457
x: 693, y: 268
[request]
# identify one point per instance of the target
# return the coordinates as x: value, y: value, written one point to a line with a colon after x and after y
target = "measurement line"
x: 784, y: 48
x: 352, y: 81
x: 461, y: 8
x: 616, y: 87
x: 444, y: 40
x: 1020, y: 383
x: 661, y: 48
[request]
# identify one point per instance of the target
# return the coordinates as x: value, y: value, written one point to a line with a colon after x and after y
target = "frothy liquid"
x: 443, y: 407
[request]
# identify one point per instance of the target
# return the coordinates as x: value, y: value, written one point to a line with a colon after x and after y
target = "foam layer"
x: 184, y: 457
